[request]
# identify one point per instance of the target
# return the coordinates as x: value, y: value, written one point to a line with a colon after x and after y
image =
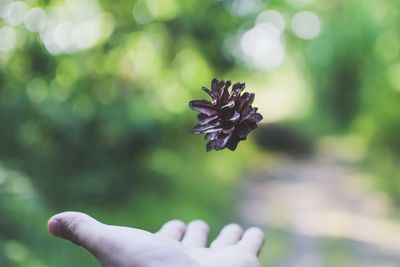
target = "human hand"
x: 174, y: 245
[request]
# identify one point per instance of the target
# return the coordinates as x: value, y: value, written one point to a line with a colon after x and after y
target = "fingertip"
x: 55, y: 223
x: 234, y: 227
x: 66, y: 224
x: 174, y: 229
x: 54, y: 227
x: 256, y: 231
x: 79, y: 228
x: 177, y: 223
x: 229, y: 235
x: 200, y: 224
x: 196, y: 234
x: 253, y: 240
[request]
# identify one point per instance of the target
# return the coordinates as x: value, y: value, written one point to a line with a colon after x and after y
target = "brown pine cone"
x: 228, y: 118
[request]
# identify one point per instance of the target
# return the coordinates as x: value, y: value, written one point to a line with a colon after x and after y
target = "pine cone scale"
x: 203, y: 106
x: 212, y: 136
x: 221, y: 141
x: 200, y: 128
x: 204, y: 119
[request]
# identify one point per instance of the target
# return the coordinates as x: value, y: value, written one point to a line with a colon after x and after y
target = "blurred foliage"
x: 97, y: 120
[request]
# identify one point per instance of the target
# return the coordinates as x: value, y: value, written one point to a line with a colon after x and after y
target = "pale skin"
x: 174, y: 245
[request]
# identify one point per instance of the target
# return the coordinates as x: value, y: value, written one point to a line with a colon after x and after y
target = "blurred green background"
x: 94, y: 109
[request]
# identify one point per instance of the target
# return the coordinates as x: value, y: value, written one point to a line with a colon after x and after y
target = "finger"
x: 252, y: 240
x: 196, y: 234
x: 229, y: 235
x: 79, y: 228
x: 173, y: 229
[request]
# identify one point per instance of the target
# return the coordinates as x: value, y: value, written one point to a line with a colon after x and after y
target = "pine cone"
x: 228, y: 118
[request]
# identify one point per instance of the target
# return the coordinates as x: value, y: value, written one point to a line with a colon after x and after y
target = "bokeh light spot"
x: 393, y: 76
x: 142, y: 59
x: 388, y: 46
x: 306, y: 25
x: 14, y: 12
x: 71, y: 27
x: 283, y: 97
x: 3, y: 5
x: 35, y: 19
x: 262, y: 47
x: 272, y: 17
x: 60, y: 91
x: 141, y: 12
x: 37, y: 90
x: 8, y: 38
x: 170, y: 91
x: 197, y: 71
x: 245, y: 7
x: 15, y: 251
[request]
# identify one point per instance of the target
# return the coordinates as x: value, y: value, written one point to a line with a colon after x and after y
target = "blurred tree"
x: 94, y: 95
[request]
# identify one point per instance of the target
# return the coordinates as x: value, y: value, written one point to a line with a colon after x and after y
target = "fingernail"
x: 55, y: 228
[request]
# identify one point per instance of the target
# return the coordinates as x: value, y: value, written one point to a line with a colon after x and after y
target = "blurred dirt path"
x: 324, y: 213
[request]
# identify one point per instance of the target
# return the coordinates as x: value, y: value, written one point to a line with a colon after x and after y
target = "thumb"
x: 79, y: 228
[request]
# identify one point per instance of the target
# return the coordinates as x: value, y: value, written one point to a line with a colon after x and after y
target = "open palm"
x: 175, y: 245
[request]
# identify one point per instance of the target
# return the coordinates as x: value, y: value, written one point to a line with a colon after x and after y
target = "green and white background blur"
x: 94, y: 117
